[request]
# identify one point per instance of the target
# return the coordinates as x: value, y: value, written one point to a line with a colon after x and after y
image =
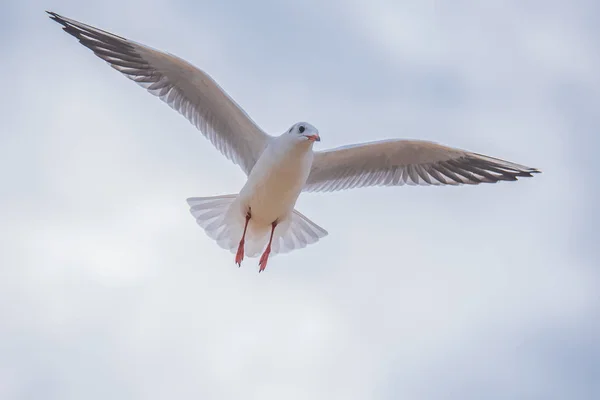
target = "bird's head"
x: 304, y: 132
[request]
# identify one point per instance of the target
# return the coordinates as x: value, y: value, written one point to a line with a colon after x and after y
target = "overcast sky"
x: 108, y: 288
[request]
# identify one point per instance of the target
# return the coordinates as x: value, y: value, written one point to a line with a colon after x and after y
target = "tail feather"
x: 225, y: 225
x: 211, y: 214
x: 297, y: 233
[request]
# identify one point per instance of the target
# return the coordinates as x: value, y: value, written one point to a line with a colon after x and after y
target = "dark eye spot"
x: 301, y: 129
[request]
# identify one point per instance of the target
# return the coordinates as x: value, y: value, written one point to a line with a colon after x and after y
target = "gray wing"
x: 182, y: 86
x: 412, y: 162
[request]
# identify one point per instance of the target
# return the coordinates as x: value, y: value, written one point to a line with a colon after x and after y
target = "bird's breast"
x: 275, y: 183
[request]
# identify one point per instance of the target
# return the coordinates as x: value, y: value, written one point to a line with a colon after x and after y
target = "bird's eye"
x: 301, y: 129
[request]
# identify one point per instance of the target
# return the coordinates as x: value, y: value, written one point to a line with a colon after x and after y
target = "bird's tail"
x: 225, y: 224
x: 212, y: 214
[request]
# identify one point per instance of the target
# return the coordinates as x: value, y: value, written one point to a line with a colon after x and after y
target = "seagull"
x: 261, y: 218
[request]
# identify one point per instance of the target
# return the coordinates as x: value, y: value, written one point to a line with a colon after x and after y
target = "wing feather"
x: 412, y: 162
x: 185, y: 88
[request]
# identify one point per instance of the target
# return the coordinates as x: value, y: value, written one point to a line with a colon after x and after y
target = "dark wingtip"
x: 55, y: 17
x: 532, y: 171
x: 529, y: 173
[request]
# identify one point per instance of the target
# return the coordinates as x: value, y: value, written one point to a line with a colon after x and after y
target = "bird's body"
x: 268, y: 198
x: 276, y: 180
x: 261, y: 218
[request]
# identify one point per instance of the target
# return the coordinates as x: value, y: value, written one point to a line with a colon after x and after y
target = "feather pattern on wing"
x: 182, y: 86
x: 411, y: 162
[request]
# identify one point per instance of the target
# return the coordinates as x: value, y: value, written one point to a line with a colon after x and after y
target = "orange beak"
x: 314, y: 138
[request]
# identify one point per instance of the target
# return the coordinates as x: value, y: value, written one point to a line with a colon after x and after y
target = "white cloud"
x: 110, y: 290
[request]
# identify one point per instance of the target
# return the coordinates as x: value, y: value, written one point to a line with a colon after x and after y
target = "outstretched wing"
x: 182, y: 86
x: 413, y: 162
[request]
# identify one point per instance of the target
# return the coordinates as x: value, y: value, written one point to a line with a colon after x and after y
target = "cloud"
x: 111, y: 290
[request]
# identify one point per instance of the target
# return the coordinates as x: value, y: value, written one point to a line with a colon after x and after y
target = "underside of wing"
x: 182, y: 86
x: 410, y: 162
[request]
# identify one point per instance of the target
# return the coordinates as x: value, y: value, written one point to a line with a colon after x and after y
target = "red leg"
x: 265, y: 256
x: 240, y: 252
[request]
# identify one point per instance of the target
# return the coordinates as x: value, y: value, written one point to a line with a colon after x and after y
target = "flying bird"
x: 261, y: 218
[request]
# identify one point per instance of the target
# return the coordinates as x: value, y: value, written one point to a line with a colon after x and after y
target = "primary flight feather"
x: 261, y: 218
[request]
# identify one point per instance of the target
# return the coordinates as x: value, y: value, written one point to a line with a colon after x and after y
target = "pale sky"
x: 108, y: 288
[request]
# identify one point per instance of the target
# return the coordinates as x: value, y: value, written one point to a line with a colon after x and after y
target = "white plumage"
x: 261, y: 217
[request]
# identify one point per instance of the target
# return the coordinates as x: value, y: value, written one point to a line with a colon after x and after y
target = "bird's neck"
x: 286, y: 157
x: 284, y: 147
